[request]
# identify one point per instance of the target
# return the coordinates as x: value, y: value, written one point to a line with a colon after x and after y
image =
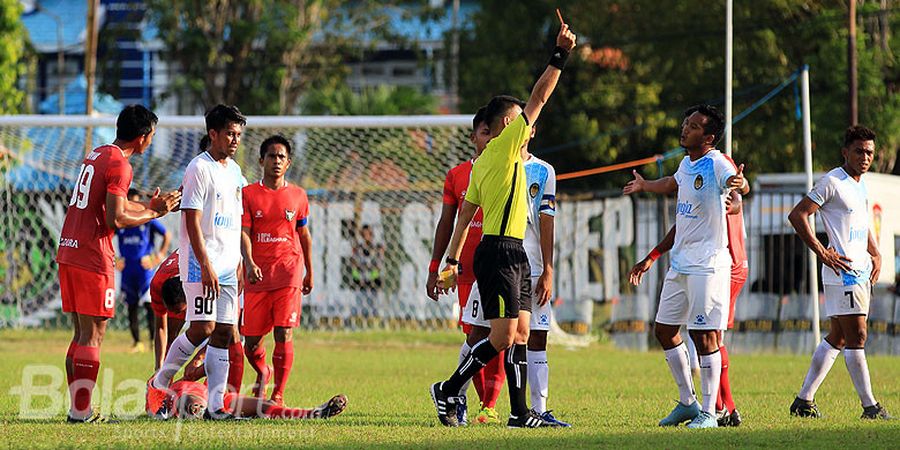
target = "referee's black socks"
x: 482, y: 353
x: 516, y: 365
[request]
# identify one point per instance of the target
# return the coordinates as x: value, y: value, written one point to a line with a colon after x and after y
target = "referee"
x: 501, y: 267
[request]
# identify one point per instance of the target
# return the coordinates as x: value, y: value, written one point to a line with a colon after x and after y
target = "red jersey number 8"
x: 83, y: 187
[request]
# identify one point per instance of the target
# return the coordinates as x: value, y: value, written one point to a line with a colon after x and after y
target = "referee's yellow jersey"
x: 497, y: 183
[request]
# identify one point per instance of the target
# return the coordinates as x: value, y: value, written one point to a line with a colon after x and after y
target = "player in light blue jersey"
x: 850, y: 265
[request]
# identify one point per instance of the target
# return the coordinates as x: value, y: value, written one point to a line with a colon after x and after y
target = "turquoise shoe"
x: 704, y: 420
x: 681, y: 413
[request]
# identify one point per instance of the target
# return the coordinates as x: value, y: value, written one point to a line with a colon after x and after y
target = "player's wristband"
x: 654, y: 254
x: 558, y: 58
x: 433, y: 267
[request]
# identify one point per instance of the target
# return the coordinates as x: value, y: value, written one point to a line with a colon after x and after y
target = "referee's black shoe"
x: 446, y: 407
x: 805, y: 408
x: 530, y: 419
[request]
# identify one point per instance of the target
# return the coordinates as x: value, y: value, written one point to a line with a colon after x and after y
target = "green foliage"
x: 613, y: 399
x: 378, y: 101
x: 640, y: 63
x: 12, y: 51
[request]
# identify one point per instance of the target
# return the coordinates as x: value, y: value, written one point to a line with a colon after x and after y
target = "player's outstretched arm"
x: 664, y: 185
x: 799, y: 218
x: 120, y: 213
x: 540, y: 94
x: 442, y: 235
x: 639, y: 269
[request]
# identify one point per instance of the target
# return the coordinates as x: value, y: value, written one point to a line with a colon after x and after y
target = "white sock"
x: 710, y: 374
x: 538, y: 379
x: 692, y: 353
x: 179, y: 353
x: 216, y: 377
x: 855, y: 358
x: 463, y: 352
x: 822, y: 360
x: 677, y: 358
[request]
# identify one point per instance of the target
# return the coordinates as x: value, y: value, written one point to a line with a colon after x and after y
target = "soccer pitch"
x: 613, y: 398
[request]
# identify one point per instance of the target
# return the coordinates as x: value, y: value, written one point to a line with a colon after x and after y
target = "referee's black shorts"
x: 504, y: 277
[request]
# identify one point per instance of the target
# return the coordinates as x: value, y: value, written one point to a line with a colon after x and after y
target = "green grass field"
x: 614, y: 399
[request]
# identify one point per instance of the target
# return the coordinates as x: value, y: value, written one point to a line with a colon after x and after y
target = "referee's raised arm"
x: 540, y: 93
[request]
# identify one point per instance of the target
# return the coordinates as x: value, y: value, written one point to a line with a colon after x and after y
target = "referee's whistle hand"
x: 565, y: 38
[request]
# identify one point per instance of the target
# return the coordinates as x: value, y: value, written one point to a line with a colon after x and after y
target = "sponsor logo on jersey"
x: 544, y: 320
x: 223, y: 221
x: 68, y: 242
x: 267, y: 238
x: 132, y: 240
x: 700, y: 319
x: 533, y: 190
x: 289, y: 215
x: 685, y: 209
x: 698, y: 182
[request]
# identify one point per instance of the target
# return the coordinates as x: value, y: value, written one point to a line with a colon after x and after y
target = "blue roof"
x: 76, y: 98
x: 42, y: 27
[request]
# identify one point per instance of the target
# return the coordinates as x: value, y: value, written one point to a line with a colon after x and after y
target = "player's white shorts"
x: 473, y: 313
x: 847, y: 300
x: 698, y: 301
x: 201, y: 309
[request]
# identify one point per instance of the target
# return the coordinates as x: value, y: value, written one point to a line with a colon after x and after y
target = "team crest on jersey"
x: 533, y: 190
x: 289, y: 215
x: 698, y: 182
x: 258, y: 214
x: 700, y: 319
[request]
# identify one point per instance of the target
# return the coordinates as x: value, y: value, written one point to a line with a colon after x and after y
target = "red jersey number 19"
x: 82, y: 191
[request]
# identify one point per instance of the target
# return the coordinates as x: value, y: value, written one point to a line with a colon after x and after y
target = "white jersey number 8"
x: 83, y: 187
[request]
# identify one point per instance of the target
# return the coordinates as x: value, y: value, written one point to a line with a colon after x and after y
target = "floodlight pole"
x: 729, y: 59
x: 808, y: 165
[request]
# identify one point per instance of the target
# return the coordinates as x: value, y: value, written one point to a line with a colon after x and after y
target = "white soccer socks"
x: 538, y: 380
x: 216, y: 377
x: 710, y: 374
x: 463, y: 352
x: 677, y: 358
x: 822, y: 360
x: 179, y: 353
x: 855, y: 358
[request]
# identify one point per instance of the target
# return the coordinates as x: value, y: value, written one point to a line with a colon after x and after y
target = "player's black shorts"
x: 504, y: 277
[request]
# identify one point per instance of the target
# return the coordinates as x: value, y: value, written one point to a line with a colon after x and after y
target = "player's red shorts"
x: 463, y: 290
x: 268, y: 309
x: 738, y: 278
x: 86, y: 292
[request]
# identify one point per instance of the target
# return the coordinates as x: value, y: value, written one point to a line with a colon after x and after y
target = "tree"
x: 340, y: 100
x: 12, y: 50
x: 263, y: 54
x: 640, y: 63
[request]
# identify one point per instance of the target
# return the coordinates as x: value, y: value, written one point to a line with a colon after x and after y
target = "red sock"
x: 70, y: 375
x: 235, y: 366
x: 86, y: 363
x: 478, y: 382
x: 282, y: 360
x: 257, y: 358
x: 281, y: 412
x: 494, y: 378
x: 724, y: 383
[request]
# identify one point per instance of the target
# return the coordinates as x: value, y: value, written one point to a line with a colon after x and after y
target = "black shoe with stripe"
x: 876, y: 411
x: 218, y: 415
x: 446, y: 407
x: 530, y: 419
x: 93, y: 417
x: 805, y: 408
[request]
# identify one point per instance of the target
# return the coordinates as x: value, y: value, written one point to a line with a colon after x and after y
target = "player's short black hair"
x: 499, y: 107
x: 133, y: 192
x: 271, y: 140
x: 219, y: 116
x: 715, y: 120
x: 479, y: 118
x: 135, y: 121
x: 858, y: 133
x: 204, y: 143
x: 172, y: 293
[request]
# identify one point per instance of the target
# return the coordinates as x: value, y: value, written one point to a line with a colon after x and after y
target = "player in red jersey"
x: 86, y: 258
x: 489, y: 381
x: 728, y: 415
x: 168, y: 304
x: 275, y: 245
x: 187, y: 400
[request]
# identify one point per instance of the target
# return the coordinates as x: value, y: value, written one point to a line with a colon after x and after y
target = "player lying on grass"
x: 187, y: 399
x: 168, y: 305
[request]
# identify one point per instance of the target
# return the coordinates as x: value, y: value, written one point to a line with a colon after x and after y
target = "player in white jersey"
x: 538, y: 243
x: 209, y: 259
x: 850, y: 265
x: 696, y: 288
